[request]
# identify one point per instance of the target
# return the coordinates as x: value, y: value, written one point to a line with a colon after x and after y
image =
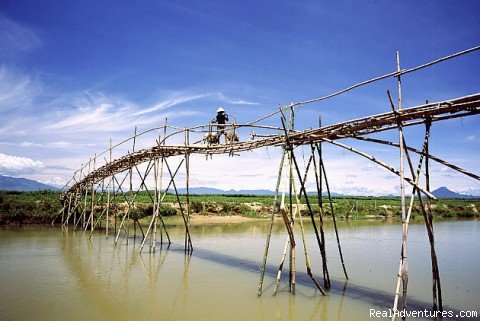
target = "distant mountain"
x: 444, y: 192
x: 8, y: 183
x: 210, y: 191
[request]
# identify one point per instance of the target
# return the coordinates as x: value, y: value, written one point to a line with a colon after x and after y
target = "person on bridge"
x: 221, y: 119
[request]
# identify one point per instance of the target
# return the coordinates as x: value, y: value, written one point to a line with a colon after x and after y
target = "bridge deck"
x: 453, y: 108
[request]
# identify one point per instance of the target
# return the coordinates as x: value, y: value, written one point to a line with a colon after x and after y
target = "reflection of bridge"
x: 93, y: 196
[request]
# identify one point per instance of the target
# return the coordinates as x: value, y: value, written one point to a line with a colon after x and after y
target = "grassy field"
x: 43, y: 207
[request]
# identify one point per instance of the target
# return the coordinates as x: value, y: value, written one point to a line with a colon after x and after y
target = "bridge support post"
x: 272, y: 218
x: 330, y: 201
x: 109, y: 186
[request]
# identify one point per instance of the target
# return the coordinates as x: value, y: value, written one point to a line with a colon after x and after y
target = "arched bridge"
x: 93, y: 196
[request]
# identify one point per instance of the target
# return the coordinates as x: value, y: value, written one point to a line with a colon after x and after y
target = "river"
x: 50, y: 274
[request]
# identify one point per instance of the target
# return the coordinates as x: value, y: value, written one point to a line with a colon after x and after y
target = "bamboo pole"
x: 269, y: 234
x: 189, y: 246
x: 131, y: 204
x: 71, y: 211
x: 292, y: 253
x: 69, y: 207
x: 326, y: 276
x: 410, y: 209
x: 158, y: 215
x: 428, y: 218
x: 308, y: 263
x: 438, y: 111
x: 86, y: 194
x: 322, y: 166
x: 159, y: 203
x: 187, y: 171
x: 80, y: 178
x: 396, y: 73
x: 130, y: 200
x: 319, y: 183
x: 161, y: 200
x: 290, y: 237
x: 280, y: 267
x: 107, y: 221
x: 155, y: 206
x: 384, y: 165
x: 291, y: 264
x: 299, y: 175
x: 187, y: 177
x: 156, y: 203
x: 404, y: 253
x: 417, y: 151
x: 114, y: 197
x: 93, y: 194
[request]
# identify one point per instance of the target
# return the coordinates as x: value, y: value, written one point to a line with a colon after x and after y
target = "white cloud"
x: 96, y: 112
x: 14, y: 165
x: 55, y: 181
x: 169, y: 102
x: 58, y: 144
x: 16, y: 38
x: 471, y: 138
x: 223, y: 98
x: 17, y: 90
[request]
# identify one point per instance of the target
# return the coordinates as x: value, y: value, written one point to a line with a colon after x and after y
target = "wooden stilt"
x: 326, y: 276
x: 280, y: 267
x: 289, y: 147
x: 107, y: 219
x: 283, y: 211
x: 292, y: 254
x: 189, y: 247
x: 130, y: 200
x: 93, y: 195
x: 272, y: 217
x: 160, y: 202
x: 330, y: 201
x: 308, y: 264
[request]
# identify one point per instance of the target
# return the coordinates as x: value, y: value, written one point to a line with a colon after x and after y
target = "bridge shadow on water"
x: 371, y: 297
x: 375, y: 298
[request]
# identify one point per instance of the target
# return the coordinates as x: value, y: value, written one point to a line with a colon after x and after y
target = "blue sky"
x: 75, y: 74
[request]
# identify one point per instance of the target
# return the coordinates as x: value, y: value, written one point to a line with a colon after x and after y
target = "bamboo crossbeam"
x: 366, y: 125
x: 422, y: 153
x: 384, y: 165
x: 396, y: 73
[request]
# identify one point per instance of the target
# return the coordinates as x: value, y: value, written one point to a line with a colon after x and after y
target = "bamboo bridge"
x: 90, y: 197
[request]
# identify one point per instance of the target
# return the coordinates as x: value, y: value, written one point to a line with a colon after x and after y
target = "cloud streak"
x: 99, y: 112
x: 16, y: 38
x: 225, y: 99
x: 17, y: 90
x: 167, y: 103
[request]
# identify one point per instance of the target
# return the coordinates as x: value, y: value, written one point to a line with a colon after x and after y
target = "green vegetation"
x: 29, y: 207
x: 43, y: 207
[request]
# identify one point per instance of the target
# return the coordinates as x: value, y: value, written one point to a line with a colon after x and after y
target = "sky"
x: 76, y: 74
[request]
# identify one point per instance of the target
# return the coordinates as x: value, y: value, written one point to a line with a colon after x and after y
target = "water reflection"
x: 109, y: 277
x: 94, y: 280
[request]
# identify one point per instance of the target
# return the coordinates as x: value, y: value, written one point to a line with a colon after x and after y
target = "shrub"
x: 196, y: 206
x: 141, y: 212
x: 167, y: 210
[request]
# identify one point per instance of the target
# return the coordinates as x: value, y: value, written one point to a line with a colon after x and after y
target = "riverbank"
x: 44, y: 207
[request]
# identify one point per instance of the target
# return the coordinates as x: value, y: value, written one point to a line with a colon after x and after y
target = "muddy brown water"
x: 50, y: 274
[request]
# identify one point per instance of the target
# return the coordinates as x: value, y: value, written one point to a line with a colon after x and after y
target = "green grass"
x: 43, y: 207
